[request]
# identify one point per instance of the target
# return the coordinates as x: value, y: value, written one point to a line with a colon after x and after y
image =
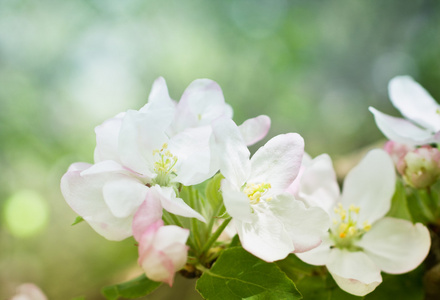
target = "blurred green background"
x: 65, y: 66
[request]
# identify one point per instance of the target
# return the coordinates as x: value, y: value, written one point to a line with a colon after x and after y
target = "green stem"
x: 213, y: 218
x: 194, y: 221
x: 215, y: 235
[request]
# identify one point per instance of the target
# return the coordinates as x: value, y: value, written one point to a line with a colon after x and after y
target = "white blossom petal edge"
x: 362, y: 242
x: 421, y: 110
x: 270, y: 222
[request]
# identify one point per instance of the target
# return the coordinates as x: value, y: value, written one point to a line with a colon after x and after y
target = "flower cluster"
x: 149, y: 166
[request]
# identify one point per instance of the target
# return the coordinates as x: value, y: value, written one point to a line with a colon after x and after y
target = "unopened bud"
x: 397, y: 152
x: 422, y: 167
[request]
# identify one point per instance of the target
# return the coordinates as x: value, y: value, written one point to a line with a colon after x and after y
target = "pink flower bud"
x: 397, y: 152
x: 422, y: 167
x: 162, y: 251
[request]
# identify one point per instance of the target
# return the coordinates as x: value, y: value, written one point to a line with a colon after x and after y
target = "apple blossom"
x: 270, y: 222
x: 29, y: 291
x: 162, y: 249
x: 107, y: 195
x: 421, y: 110
x: 362, y: 241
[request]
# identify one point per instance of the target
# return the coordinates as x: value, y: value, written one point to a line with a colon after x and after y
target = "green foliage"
x: 407, y: 286
x: 315, y: 283
x: 78, y: 220
x: 135, y: 288
x: 238, y: 274
x: 214, y: 197
x: 399, y: 206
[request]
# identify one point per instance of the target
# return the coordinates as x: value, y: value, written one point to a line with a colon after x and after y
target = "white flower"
x: 421, y: 110
x: 362, y: 241
x: 270, y: 222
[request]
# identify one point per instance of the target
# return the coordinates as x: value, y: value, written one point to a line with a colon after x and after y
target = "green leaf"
x: 399, y: 206
x: 417, y: 207
x: 135, y: 288
x: 213, y: 195
x: 235, y: 242
x: 407, y: 286
x: 296, y: 269
x: 238, y: 274
x: 77, y: 220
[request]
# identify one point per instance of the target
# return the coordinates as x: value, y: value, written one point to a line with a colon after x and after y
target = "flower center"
x: 345, y: 230
x: 256, y: 191
x: 164, y: 165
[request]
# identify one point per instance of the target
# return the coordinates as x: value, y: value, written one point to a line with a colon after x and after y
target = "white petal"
x: 159, y: 95
x: 175, y: 205
x: 234, y: 155
x: 79, y: 166
x: 401, y: 130
x: 192, y: 147
x: 318, y: 256
x: 396, y: 245
x: 236, y: 202
x: 140, y: 134
x: 305, y: 226
x: 318, y: 184
x: 170, y: 235
x: 354, y: 272
x: 265, y: 238
x: 414, y: 102
x: 370, y: 185
x: 107, y: 137
x: 201, y: 103
x: 84, y: 195
x: 255, y: 129
x: 124, y: 195
x: 278, y: 161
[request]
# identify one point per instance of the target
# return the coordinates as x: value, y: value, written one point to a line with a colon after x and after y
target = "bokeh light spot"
x: 25, y: 213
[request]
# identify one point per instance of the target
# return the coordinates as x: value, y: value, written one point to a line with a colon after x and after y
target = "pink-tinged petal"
x: 401, y: 130
x: 306, y: 226
x: 318, y: 256
x: 232, y: 150
x: 107, y: 138
x: 148, y: 213
x: 174, y: 205
x: 29, y: 291
x: 162, y: 251
x: 278, y: 162
x: 395, y: 245
x: 414, y: 102
x: 354, y: 272
x: 265, y: 238
x: 370, y: 185
x: 123, y: 195
x: 140, y: 134
x: 84, y: 195
x: 318, y: 184
x: 201, y: 104
x: 236, y: 202
x: 255, y: 129
x: 294, y: 187
x: 192, y: 147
